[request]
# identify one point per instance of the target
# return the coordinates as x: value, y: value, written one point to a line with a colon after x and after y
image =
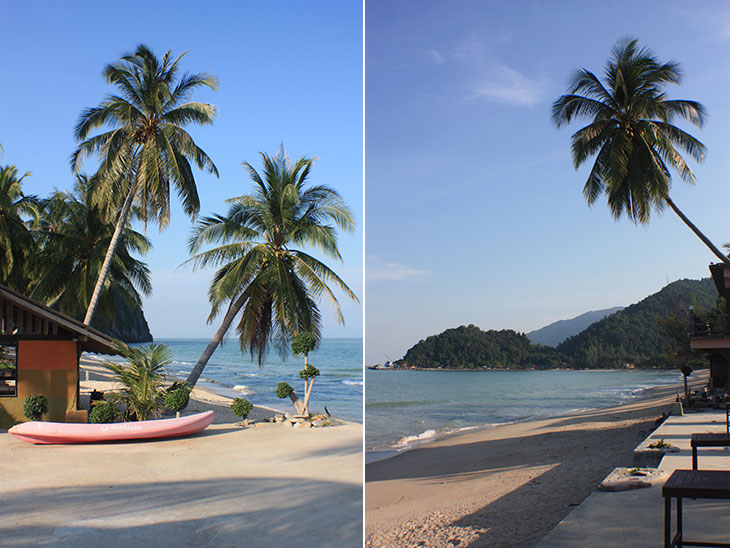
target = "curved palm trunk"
x: 215, y: 341
x: 697, y: 231
x: 121, y: 223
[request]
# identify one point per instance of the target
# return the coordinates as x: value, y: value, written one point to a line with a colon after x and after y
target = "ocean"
x: 407, y: 408
x: 231, y: 373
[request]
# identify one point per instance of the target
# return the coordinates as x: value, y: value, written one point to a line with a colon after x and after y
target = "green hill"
x: 639, y: 335
x: 635, y: 335
x: 468, y: 347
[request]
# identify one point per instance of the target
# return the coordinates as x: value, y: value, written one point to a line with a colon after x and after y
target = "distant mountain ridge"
x: 650, y: 333
x: 556, y: 332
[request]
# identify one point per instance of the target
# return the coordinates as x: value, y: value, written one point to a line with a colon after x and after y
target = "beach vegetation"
x: 144, y: 152
x: 304, y: 343
x: 631, y: 134
x: 142, y: 379
x: 35, y: 406
x: 241, y: 407
x: 284, y: 389
x: 104, y: 412
x: 264, y: 278
x: 177, y: 398
x: 16, y: 240
x: 661, y: 444
x: 73, y: 234
x: 640, y: 334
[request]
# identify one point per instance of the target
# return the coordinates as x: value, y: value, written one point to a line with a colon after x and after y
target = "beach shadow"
x: 230, y: 512
x: 554, y: 457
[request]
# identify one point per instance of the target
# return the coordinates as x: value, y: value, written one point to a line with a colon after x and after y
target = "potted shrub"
x: 177, y: 398
x: 104, y: 412
x: 35, y: 406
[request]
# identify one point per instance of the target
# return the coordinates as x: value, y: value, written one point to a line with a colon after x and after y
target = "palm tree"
x: 16, y: 241
x: 146, y: 150
x: 631, y: 134
x: 74, y: 235
x: 142, y: 379
x: 262, y: 274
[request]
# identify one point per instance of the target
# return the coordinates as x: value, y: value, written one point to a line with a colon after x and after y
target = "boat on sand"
x: 62, y: 432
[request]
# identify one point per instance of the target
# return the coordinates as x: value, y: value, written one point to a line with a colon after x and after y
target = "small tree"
x: 34, y: 406
x: 241, y: 407
x: 284, y: 389
x: 304, y: 343
x: 686, y: 371
x: 177, y: 399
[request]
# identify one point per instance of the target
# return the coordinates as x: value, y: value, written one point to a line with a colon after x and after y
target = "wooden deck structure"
x: 45, y: 347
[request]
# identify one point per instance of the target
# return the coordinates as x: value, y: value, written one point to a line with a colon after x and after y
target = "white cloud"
x: 378, y: 270
x: 487, y: 78
x: 503, y: 84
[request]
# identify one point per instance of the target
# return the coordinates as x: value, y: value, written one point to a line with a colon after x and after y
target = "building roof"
x: 24, y: 318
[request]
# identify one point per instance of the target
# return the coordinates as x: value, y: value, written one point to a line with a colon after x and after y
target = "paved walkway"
x: 636, y: 518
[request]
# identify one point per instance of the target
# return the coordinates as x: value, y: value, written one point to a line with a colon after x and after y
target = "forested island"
x: 650, y: 333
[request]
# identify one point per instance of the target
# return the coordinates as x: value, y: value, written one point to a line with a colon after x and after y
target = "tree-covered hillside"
x: 646, y: 334
x: 468, y: 347
x: 636, y: 334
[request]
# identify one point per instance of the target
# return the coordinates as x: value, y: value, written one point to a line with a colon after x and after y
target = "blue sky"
x: 474, y: 212
x: 289, y: 72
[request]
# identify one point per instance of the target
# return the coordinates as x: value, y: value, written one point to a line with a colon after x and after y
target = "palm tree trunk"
x: 697, y: 231
x: 121, y: 224
x: 215, y: 341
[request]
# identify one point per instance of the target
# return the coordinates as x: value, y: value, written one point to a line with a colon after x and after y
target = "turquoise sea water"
x: 403, y: 408
x: 231, y: 373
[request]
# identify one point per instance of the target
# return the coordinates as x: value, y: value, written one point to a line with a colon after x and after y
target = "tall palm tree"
x: 262, y: 274
x: 73, y: 234
x: 145, y: 150
x: 16, y: 241
x: 631, y: 133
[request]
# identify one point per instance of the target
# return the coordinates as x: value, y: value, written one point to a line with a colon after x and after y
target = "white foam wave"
x: 352, y: 383
x: 420, y: 437
x: 243, y: 389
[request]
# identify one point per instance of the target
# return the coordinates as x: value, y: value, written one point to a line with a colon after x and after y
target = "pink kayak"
x: 63, y: 432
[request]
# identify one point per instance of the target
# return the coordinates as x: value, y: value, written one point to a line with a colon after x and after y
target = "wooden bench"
x: 707, y: 440
x: 696, y: 484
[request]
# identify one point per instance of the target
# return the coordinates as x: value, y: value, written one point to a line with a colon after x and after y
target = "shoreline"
x: 490, y: 486
x: 432, y: 435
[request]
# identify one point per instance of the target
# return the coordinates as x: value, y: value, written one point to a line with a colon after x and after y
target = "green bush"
x: 283, y: 389
x: 34, y: 406
x: 303, y: 343
x: 241, y: 407
x: 308, y: 372
x: 177, y: 399
x: 103, y: 413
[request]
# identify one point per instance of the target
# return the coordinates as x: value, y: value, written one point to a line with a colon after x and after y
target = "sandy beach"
x: 506, y: 486
x: 260, y: 486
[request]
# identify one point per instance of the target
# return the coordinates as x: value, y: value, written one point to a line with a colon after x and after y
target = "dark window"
x: 8, y: 370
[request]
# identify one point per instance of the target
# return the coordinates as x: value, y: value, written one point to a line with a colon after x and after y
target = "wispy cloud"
x: 436, y: 56
x: 378, y: 270
x: 503, y: 84
x: 486, y: 78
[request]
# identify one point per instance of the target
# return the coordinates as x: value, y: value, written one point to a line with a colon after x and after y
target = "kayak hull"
x: 62, y: 432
